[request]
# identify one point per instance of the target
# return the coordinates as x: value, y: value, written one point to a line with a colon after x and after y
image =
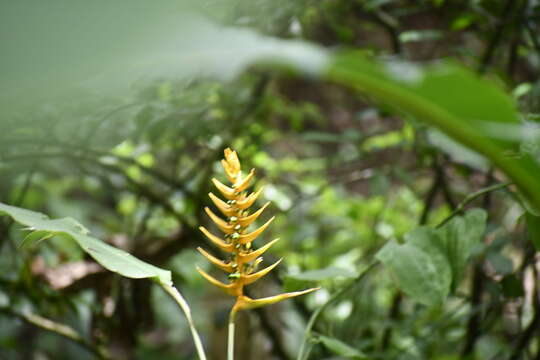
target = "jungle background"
x: 116, y: 114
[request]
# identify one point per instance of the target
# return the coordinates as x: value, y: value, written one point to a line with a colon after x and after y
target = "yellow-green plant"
x: 238, y: 242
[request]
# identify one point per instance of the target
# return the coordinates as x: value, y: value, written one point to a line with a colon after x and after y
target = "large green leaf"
x: 459, y: 237
x: 421, y: 273
x: 108, y: 256
x: 473, y: 111
x: 431, y: 262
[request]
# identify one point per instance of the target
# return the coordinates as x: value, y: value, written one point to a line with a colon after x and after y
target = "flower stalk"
x: 243, y: 259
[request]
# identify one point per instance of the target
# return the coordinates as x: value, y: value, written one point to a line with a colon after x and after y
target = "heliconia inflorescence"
x: 237, y: 242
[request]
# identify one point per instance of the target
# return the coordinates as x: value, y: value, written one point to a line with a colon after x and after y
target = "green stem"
x: 175, y: 294
x: 471, y: 197
x: 230, y: 339
x: 304, y: 352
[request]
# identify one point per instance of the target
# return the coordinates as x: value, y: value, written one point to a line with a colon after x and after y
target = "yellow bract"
x: 244, y: 258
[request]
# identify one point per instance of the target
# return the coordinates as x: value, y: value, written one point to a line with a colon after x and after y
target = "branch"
x: 524, y: 339
x: 138, y: 187
x: 59, y: 329
x: 477, y: 286
x: 503, y: 20
x: 472, y: 197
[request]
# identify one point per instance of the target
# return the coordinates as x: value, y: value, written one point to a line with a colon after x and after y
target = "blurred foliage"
x: 125, y: 135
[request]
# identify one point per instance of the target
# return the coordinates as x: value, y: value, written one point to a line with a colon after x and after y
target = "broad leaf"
x: 465, y: 107
x: 35, y: 237
x: 422, y: 276
x: 431, y: 262
x: 459, y: 237
x: 108, y: 256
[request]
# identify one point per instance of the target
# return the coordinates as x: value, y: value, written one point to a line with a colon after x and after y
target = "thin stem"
x: 230, y: 339
x: 304, y: 352
x: 175, y: 294
x: 472, y: 197
x: 503, y: 21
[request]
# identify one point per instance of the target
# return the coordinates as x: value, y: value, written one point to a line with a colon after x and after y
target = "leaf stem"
x: 175, y: 294
x: 472, y: 197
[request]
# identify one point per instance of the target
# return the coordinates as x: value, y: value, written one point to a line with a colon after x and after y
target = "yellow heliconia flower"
x: 244, y: 258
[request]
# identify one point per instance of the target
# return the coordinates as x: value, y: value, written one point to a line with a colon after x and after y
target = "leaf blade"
x: 111, y: 258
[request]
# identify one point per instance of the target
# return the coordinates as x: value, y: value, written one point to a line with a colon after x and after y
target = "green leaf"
x: 419, y: 267
x: 432, y: 261
x: 338, y: 347
x: 459, y: 237
x: 473, y: 111
x: 33, y: 238
x: 108, y: 256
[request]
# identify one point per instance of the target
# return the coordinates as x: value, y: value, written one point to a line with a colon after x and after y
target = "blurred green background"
x: 116, y: 113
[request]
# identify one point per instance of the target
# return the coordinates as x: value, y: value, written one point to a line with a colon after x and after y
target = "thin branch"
x: 471, y: 197
x: 138, y: 187
x: 393, y: 316
x: 93, y: 130
x: 478, y: 278
x: 432, y: 193
x: 59, y: 329
x: 527, y: 335
x: 503, y: 20
x: 533, y: 35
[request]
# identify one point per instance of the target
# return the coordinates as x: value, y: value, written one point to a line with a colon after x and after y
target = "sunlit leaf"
x: 423, y: 274
x: 108, y: 256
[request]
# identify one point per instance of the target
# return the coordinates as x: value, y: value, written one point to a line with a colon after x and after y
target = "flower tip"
x: 244, y: 303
